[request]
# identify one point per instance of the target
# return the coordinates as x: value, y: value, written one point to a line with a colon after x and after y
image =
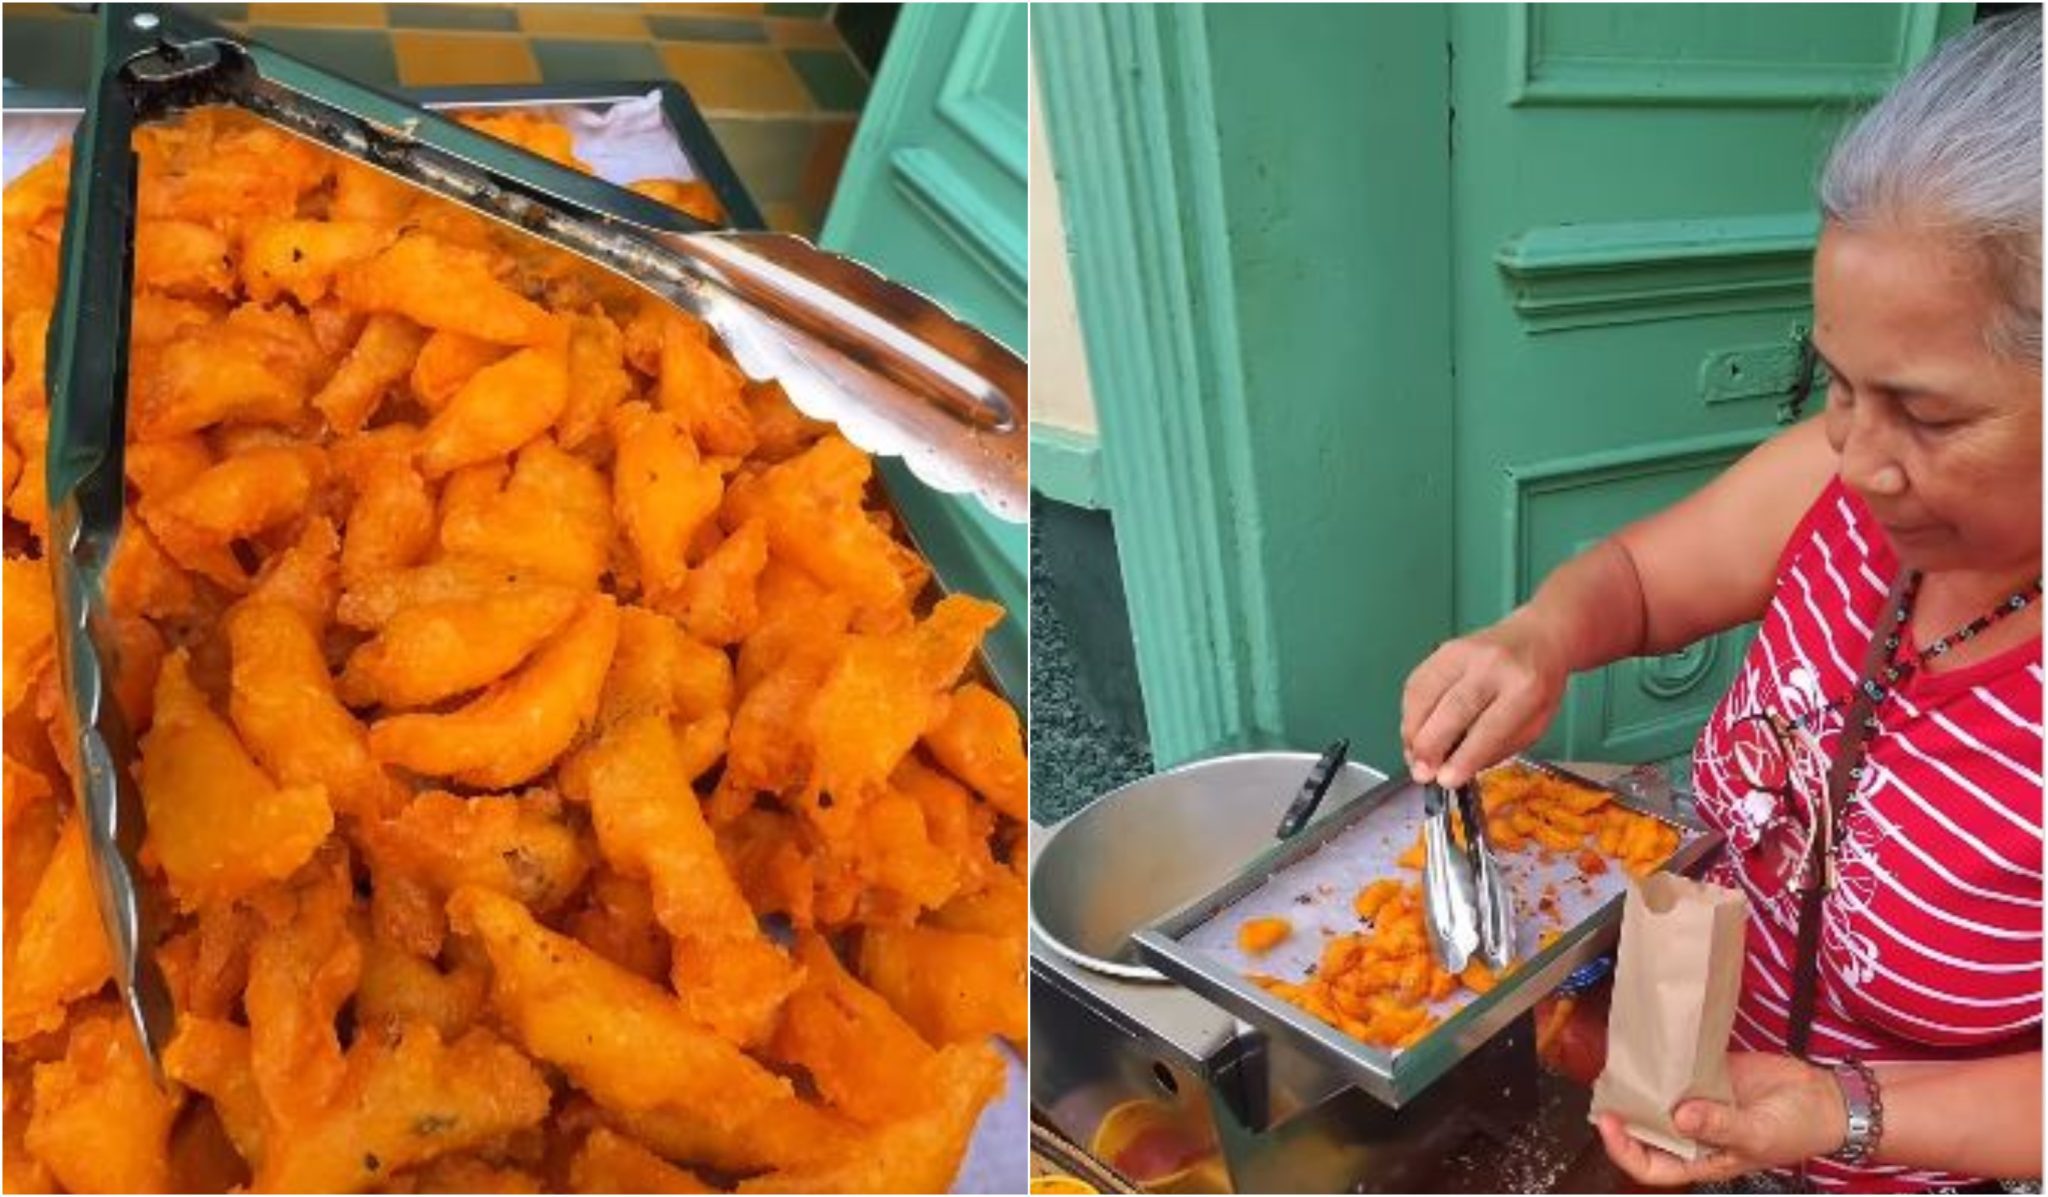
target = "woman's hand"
x: 1785, y: 1111
x: 1481, y: 698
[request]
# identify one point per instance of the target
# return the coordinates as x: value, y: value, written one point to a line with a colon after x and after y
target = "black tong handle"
x: 1313, y: 787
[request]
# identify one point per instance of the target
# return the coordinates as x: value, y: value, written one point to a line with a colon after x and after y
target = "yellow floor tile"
x: 795, y: 31
x: 756, y: 78
x: 337, y: 16
x: 692, y: 10
x: 429, y: 59
x: 577, y: 20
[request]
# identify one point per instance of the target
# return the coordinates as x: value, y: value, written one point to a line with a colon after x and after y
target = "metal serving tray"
x: 1312, y: 878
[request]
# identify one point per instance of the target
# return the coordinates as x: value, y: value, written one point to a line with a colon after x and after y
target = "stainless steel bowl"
x: 1139, y: 852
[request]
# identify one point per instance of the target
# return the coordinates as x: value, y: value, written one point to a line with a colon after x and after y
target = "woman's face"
x: 1938, y: 433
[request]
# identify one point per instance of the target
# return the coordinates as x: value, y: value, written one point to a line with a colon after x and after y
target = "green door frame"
x: 1263, y: 408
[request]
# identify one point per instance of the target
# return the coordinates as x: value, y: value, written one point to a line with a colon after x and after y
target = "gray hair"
x: 1957, y: 146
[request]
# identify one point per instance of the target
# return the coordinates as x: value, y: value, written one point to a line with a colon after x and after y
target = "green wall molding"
x: 1067, y: 466
x: 989, y: 37
x: 1270, y: 359
x: 1543, y: 70
x: 1133, y: 136
x: 994, y: 238
x: 1585, y: 275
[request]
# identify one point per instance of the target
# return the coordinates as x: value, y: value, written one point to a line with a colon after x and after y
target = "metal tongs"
x: 1466, y: 904
x: 897, y: 374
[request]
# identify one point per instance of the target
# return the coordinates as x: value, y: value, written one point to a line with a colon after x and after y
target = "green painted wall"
x: 1389, y: 308
x: 933, y: 194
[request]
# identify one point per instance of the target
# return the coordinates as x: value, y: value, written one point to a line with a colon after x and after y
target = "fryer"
x: 1141, y: 1015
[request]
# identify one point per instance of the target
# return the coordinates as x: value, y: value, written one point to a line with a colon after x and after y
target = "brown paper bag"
x: 1675, y: 986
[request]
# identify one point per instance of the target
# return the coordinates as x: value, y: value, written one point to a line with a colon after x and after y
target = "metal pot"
x: 1142, y: 851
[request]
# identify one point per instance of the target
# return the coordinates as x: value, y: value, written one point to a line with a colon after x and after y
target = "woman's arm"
x: 1978, y: 1117
x: 1702, y: 565
x: 1971, y: 1117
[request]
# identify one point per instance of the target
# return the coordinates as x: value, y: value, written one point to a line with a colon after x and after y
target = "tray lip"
x: 1391, y: 1077
x: 685, y: 120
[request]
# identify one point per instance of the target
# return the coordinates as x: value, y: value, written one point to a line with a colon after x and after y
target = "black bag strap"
x: 1842, y: 778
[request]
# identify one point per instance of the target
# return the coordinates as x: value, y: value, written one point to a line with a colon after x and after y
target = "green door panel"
x: 933, y: 196
x: 1633, y: 226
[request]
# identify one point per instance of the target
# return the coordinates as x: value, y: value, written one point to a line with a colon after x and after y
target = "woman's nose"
x: 1868, y: 463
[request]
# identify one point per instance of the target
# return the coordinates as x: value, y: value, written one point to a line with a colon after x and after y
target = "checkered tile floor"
x: 775, y: 81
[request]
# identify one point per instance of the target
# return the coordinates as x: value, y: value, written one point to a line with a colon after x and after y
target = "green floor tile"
x: 768, y: 155
x: 704, y: 29
x: 52, y: 52
x: 497, y: 17
x: 799, y: 10
x: 832, y: 78
x: 364, y: 55
x: 567, y: 60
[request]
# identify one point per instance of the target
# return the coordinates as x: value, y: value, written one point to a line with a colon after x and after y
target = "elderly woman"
x: 1876, y: 765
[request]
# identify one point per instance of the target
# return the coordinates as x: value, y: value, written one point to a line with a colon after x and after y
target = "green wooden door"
x: 933, y: 195
x: 1632, y: 225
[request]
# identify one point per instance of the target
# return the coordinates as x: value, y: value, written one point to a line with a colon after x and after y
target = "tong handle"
x: 1313, y: 787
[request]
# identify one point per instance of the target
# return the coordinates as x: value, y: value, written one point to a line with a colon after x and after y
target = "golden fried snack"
x: 952, y: 986
x: 236, y: 498
x: 218, y: 825
x: 451, y: 287
x: 553, y: 517
x: 255, y: 366
x: 718, y: 601
x: 917, y: 1154
x: 30, y: 626
x: 519, y: 846
x: 701, y: 388
x: 391, y: 524
x: 659, y: 668
x: 879, y: 698
x: 865, y: 1060
x: 283, y: 703
x: 980, y: 740
x: 598, y: 381
x: 631, y: 1046
x: 377, y: 599
x: 398, y: 988
x: 1262, y: 935
x: 57, y: 953
x: 501, y: 407
x: 445, y: 362
x: 383, y: 353
x: 211, y: 1056
x: 184, y: 258
x: 519, y: 726
x: 663, y: 493
x: 403, y: 1103
x: 438, y: 650
x: 463, y: 1174
x: 100, y: 1124
x: 301, y: 257
x: 815, y: 521
x: 207, y: 964
x: 731, y: 977
x: 693, y: 196
x: 956, y: 824
x: 612, y: 1163
x: 302, y: 968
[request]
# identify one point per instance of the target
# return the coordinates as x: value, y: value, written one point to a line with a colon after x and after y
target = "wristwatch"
x: 1865, y: 1104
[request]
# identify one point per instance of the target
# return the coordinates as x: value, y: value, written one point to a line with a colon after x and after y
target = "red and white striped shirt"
x: 1931, y: 943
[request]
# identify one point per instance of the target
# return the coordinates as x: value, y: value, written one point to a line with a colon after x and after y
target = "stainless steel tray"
x: 1314, y: 888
